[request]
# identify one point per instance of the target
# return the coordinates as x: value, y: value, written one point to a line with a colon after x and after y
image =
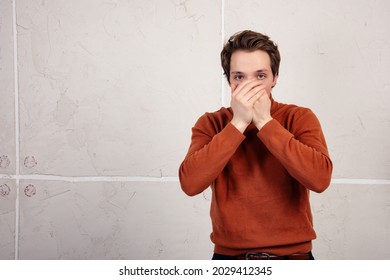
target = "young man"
x: 260, y: 157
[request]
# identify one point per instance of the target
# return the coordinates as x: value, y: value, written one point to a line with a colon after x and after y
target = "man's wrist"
x: 259, y: 124
x: 239, y: 125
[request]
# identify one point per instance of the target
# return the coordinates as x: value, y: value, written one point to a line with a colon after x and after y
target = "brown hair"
x: 248, y: 40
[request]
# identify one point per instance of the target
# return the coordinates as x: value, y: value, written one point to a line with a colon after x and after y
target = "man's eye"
x: 238, y: 78
x: 261, y: 76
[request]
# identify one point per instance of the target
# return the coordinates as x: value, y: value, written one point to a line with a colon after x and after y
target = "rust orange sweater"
x: 260, y: 180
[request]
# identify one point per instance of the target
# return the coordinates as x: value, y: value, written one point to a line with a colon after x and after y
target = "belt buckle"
x: 259, y: 256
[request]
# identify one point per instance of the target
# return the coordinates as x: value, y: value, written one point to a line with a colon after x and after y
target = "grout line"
x: 223, y: 22
x: 76, y: 179
x: 223, y: 103
x: 17, y: 142
x: 347, y: 181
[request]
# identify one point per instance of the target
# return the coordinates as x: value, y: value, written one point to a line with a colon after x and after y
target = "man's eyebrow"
x: 257, y: 71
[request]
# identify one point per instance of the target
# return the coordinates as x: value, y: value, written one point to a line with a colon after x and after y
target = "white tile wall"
x: 7, y: 105
x: 352, y: 222
x: 107, y: 92
x: 7, y: 219
x: 112, y: 220
x: 335, y: 60
x: 116, y: 85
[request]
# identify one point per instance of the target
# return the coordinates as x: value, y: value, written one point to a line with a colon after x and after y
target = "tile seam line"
x: 359, y: 181
x: 36, y: 177
x: 222, y: 43
x: 17, y: 126
x: 92, y: 178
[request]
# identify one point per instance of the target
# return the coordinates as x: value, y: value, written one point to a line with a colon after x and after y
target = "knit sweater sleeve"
x: 208, y: 154
x: 303, y: 151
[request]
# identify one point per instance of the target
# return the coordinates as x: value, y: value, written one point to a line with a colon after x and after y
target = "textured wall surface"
x: 97, y: 101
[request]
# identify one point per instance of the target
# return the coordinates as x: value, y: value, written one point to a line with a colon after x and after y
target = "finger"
x: 263, y: 97
x: 246, y: 97
x: 249, y: 85
x: 248, y: 91
x: 255, y: 93
x: 263, y: 94
x: 245, y: 86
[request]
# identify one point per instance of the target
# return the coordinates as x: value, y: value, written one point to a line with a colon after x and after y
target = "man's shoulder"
x: 292, y: 110
x: 216, y: 120
x: 221, y: 115
x: 294, y: 117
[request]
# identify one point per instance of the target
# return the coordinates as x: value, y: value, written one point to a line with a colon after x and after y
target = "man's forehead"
x: 254, y: 61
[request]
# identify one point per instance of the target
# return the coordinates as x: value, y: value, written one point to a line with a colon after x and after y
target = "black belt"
x: 265, y: 256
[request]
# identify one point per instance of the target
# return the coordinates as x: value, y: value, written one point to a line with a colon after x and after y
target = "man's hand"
x: 244, y: 96
x: 262, y: 110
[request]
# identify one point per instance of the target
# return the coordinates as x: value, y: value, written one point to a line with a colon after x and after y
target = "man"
x: 260, y: 157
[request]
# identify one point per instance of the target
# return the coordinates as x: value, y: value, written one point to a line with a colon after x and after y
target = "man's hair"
x: 250, y: 41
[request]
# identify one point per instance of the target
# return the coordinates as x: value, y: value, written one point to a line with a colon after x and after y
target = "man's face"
x: 251, y: 65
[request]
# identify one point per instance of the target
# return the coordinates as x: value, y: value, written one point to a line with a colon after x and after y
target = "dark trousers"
x: 226, y: 257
